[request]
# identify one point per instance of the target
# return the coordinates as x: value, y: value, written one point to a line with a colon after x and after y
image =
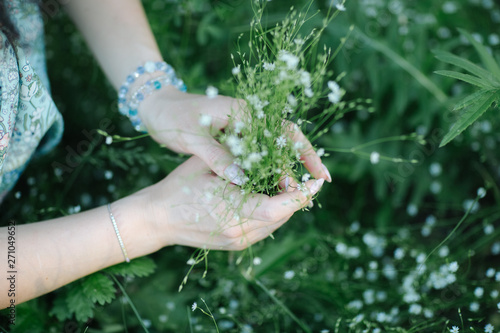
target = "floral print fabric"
x: 28, y: 114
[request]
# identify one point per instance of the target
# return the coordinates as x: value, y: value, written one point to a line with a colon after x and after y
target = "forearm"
x: 53, y: 253
x: 118, y: 33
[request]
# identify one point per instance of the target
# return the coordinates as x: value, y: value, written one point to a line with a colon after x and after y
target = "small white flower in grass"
x: 474, y: 307
x: 238, y: 127
x: 488, y: 229
x: 355, y: 305
x: 495, y: 248
x: 267, y: 134
x: 305, y: 177
x: 236, y: 70
x: 481, y: 192
x: 454, y: 329
x: 428, y: 313
x: 289, y: 275
x: 291, y: 60
x: 340, y: 7
x: 205, y: 120
x: 109, y: 140
x: 269, y: 66
x: 488, y: 328
x: 191, y: 262
x: 235, y: 145
x: 415, y: 309
x: 374, y: 157
x: 320, y: 152
x: 291, y: 100
x: 399, y: 253
x: 298, y: 145
x: 308, y: 92
x: 469, y: 204
x: 377, y: 330
x: 430, y: 220
x: 281, y: 142
x: 426, y: 231
x: 498, y: 306
x: 435, y: 169
x: 412, y: 209
x: 479, y: 292
x: 212, y: 92
x: 497, y: 277
x: 453, y: 267
x: 147, y: 323
x: 287, y: 109
x: 369, y: 296
x: 257, y: 261
x: 355, y: 226
x: 494, y: 294
x: 298, y: 41
x: 435, y: 187
x: 444, y: 251
x: 194, y: 306
x: 421, y: 258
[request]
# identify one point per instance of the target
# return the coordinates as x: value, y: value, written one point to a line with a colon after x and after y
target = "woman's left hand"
x: 173, y: 119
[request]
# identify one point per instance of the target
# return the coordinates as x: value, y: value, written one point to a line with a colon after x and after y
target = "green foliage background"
x: 388, y: 58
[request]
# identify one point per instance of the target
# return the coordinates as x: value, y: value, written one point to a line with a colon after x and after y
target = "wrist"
x: 137, y: 231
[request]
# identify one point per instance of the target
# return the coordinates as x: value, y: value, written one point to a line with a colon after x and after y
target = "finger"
x: 272, y: 209
x: 312, y: 162
x: 219, y: 160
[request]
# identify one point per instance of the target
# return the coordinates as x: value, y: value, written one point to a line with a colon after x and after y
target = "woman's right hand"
x: 194, y: 207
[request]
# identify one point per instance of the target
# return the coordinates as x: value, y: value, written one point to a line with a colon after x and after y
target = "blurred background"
x: 335, y: 268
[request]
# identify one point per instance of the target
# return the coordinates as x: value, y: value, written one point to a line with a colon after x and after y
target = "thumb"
x: 220, y: 161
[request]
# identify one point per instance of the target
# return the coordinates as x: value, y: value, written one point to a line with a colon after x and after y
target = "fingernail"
x: 316, y: 186
x: 328, y: 176
x: 310, y: 204
x: 235, y: 174
x: 287, y: 183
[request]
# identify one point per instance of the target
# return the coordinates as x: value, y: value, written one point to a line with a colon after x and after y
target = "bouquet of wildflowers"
x: 282, y: 78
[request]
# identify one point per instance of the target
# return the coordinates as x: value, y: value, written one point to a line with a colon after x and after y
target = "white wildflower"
x: 374, y: 157
x: 291, y: 60
x: 267, y: 134
x: 235, y: 145
x: 340, y: 7
x: 474, y: 307
x: 481, y: 192
x: 490, y: 272
x: 191, y: 262
x: 281, y: 142
x: 269, y: 66
x: 495, y: 248
x: 238, y: 127
x: 488, y: 229
x: 412, y: 209
x: 194, y: 306
x: 399, y: 253
x: 453, y: 266
x: 479, y: 292
x: 435, y: 169
x: 415, y: 309
x: 212, y: 92
x: 320, y: 152
x: 109, y: 140
x: 369, y: 296
x: 488, y: 328
x: 308, y: 92
x: 289, y: 275
x: 355, y: 305
x: 305, y: 177
x: 454, y: 329
x: 292, y: 100
x: 444, y: 251
x: 298, y: 41
x: 494, y: 294
x: 236, y: 70
x: 205, y: 120
x: 257, y: 261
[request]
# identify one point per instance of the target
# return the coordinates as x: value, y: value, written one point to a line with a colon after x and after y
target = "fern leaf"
x: 470, y: 115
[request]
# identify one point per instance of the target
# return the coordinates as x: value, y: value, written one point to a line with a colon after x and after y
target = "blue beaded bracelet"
x: 128, y: 106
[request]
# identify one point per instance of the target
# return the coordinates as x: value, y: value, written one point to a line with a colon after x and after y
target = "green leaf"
x: 474, y: 80
x: 468, y: 66
x: 139, y: 267
x: 99, y: 288
x: 470, y: 99
x: 79, y: 304
x: 487, y: 59
x: 60, y: 309
x: 470, y: 115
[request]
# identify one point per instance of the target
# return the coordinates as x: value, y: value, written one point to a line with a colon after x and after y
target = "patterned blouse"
x: 30, y: 123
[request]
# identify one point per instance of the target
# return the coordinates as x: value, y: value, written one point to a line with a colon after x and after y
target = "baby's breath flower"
x: 238, y: 127
x: 292, y: 100
x: 374, y: 157
x: 194, y: 306
x: 488, y: 328
x: 212, y: 92
x: 474, y: 307
x: 444, y: 251
x: 336, y: 93
x: 289, y: 275
x: 399, y: 253
x: 236, y: 70
x: 305, y: 177
x: 494, y: 294
x: 308, y: 92
x: 302, y: 187
x: 235, y: 145
x: 320, y: 152
x: 291, y: 60
x: 269, y: 66
x: 191, y: 262
x: 205, y: 120
x: 281, y: 142
x: 454, y: 329
x: 453, y: 266
x: 478, y: 292
x: 109, y: 140
x: 415, y: 309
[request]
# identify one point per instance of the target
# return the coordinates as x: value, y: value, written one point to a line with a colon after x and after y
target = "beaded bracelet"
x: 128, y: 107
x: 115, y: 227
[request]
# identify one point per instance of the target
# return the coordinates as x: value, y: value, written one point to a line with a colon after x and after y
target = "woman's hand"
x: 173, y: 119
x: 194, y: 207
